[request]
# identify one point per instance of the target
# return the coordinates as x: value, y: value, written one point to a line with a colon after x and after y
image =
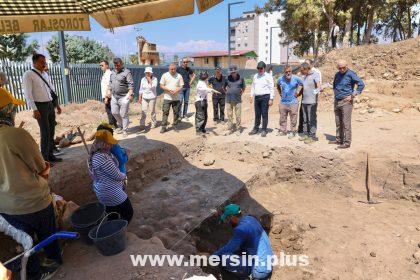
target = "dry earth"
x: 177, y: 179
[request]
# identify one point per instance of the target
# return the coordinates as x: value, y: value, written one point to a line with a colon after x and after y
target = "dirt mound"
x: 87, y: 116
x: 395, y: 62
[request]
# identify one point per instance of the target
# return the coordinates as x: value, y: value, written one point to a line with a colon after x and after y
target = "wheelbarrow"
x: 26, y: 254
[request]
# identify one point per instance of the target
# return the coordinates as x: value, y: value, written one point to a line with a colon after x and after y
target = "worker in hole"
x: 249, y: 239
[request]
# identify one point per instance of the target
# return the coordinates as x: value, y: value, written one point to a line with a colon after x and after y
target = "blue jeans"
x: 261, y: 110
x: 184, y: 96
x: 41, y: 223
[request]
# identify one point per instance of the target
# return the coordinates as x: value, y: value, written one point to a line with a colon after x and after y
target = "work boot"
x: 304, y: 137
x: 264, y: 133
x: 344, y: 146
x: 253, y: 132
x: 163, y: 129
x: 118, y: 130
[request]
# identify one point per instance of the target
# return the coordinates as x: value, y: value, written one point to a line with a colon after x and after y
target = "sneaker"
x: 45, y: 273
x: 154, y: 125
x: 163, y: 129
x: 125, y: 134
x: 118, y: 130
x: 309, y: 140
x: 264, y: 133
x: 292, y: 135
x: 57, y: 152
x: 281, y: 133
x: 199, y: 133
x: 303, y: 137
x: 344, y: 146
x: 253, y: 132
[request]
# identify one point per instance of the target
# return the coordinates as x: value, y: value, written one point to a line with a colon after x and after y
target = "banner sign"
x: 204, y: 5
x: 44, y: 23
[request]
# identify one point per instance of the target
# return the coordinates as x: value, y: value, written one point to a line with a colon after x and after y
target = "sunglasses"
x: 288, y: 72
x: 342, y: 68
x: 185, y: 62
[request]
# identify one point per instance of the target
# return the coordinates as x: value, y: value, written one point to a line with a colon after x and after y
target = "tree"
x: 79, y: 50
x: 16, y: 48
x: 134, y: 58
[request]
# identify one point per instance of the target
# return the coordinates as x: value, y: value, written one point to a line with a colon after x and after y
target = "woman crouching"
x: 108, y: 180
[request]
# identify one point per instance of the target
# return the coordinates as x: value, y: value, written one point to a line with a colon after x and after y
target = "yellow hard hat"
x: 7, y: 98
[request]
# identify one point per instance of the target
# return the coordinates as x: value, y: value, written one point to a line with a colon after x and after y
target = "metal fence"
x: 85, y: 79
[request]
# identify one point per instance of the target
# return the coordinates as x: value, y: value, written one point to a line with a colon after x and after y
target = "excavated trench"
x: 174, y: 193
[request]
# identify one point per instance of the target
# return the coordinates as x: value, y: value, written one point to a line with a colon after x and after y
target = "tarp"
x: 17, y: 16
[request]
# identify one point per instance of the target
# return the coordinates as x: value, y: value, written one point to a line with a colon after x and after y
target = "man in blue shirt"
x: 345, y: 81
x: 287, y: 86
x: 249, y: 238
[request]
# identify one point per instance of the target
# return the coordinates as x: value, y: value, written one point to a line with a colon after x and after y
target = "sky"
x: 193, y: 33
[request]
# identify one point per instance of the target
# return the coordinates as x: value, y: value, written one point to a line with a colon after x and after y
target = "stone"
x: 371, y: 110
x: 312, y: 226
x: 397, y: 110
x: 145, y: 232
x: 266, y: 154
x: 241, y: 159
x: 208, y: 161
x: 416, y: 255
x: 373, y: 254
x: 165, y: 178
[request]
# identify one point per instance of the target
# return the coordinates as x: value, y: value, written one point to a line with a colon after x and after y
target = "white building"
x: 261, y: 33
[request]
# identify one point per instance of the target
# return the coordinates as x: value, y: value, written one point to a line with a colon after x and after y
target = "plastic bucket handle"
x: 105, y: 218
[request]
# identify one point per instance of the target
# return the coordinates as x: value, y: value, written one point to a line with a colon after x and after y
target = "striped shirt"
x: 108, y: 181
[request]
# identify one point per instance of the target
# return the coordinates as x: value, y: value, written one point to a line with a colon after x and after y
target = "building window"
x: 206, y: 60
x: 266, y: 30
x: 266, y: 23
x: 239, y: 45
x: 266, y: 37
x: 246, y: 45
x: 266, y: 44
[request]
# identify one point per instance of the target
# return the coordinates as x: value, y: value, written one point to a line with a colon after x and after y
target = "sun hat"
x: 106, y: 136
x: 7, y: 98
x: 148, y: 70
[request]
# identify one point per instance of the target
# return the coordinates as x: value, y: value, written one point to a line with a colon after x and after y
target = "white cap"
x: 148, y: 70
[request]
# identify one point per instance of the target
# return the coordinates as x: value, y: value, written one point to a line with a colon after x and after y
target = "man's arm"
x: 279, y: 89
x: 192, y: 77
x: 130, y: 82
x: 28, y: 91
x: 232, y: 246
x: 356, y: 80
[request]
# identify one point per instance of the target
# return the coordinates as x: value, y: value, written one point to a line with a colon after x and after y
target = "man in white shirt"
x: 172, y: 83
x: 262, y: 91
x: 147, y: 97
x: 104, y: 91
x: 41, y: 98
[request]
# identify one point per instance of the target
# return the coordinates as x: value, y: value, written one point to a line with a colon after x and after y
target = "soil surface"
x: 178, y: 180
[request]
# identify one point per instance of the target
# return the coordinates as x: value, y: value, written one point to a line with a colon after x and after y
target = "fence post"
x: 64, y: 68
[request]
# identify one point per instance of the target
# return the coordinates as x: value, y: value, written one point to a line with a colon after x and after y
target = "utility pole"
x: 64, y: 68
x: 229, y: 47
x: 271, y: 42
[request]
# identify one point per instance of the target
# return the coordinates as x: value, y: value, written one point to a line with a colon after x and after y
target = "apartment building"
x: 261, y: 33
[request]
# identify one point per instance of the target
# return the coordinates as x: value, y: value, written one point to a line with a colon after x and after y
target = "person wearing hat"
x: 218, y: 82
x: 235, y: 87
x: 262, y: 90
x: 25, y: 199
x: 147, y: 97
x: 248, y: 238
x: 119, y: 152
x: 108, y: 180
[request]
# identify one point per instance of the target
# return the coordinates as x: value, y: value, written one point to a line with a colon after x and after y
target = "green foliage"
x: 308, y: 22
x: 134, y: 58
x: 79, y: 50
x: 16, y: 48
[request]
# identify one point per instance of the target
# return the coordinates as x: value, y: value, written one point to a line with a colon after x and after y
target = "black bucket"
x: 87, y: 217
x: 110, y: 237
